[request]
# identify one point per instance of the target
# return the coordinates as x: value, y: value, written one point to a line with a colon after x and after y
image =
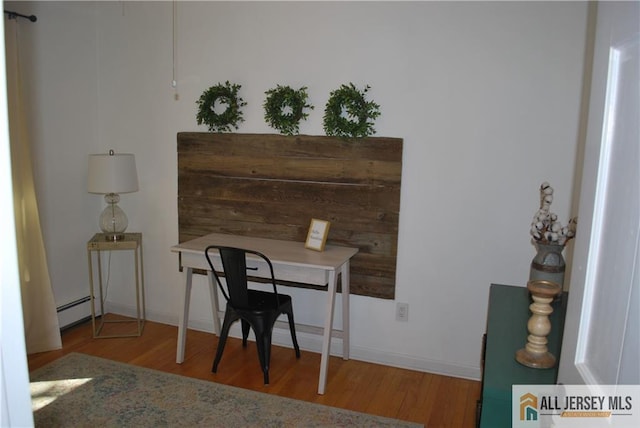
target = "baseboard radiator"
x: 70, y: 305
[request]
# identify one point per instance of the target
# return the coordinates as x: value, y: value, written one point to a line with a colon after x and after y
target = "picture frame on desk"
x: 317, y: 235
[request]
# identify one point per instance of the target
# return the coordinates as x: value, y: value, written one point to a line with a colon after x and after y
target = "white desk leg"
x: 184, y: 315
x: 215, y: 306
x: 345, y: 310
x: 328, y: 329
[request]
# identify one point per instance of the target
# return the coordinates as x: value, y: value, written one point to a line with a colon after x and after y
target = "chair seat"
x: 264, y: 301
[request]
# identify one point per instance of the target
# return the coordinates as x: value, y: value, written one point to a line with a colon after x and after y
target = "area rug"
x: 79, y: 390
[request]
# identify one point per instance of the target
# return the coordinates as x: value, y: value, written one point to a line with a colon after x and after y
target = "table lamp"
x: 112, y: 174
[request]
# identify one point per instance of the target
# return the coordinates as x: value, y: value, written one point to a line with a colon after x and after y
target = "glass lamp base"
x: 113, y: 221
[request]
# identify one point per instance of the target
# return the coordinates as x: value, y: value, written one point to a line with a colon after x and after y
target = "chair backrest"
x: 234, y: 267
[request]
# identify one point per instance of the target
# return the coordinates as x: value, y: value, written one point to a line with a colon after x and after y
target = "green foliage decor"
x: 350, y: 100
x: 284, y: 108
x: 224, y: 94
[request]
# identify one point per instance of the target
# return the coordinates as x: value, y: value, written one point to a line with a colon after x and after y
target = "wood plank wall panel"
x: 270, y: 186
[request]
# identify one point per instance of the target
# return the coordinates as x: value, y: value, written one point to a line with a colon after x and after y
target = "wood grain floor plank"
x: 432, y: 400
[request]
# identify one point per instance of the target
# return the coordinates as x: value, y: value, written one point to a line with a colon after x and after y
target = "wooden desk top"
x: 279, y: 252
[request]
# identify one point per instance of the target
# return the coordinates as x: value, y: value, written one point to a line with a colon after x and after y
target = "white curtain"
x: 42, y: 332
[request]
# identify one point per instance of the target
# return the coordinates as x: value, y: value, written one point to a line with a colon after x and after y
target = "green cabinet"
x: 506, y: 333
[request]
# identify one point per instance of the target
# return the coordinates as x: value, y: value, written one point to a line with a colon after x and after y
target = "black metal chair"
x: 256, y: 309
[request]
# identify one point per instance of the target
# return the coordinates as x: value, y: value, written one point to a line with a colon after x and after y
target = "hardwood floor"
x: 432, y: 400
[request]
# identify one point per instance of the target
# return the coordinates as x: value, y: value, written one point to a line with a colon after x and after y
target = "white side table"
x: 132, y: 242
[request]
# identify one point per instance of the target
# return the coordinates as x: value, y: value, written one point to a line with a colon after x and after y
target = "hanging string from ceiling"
x: 174, y: 51
x: 15, y: 15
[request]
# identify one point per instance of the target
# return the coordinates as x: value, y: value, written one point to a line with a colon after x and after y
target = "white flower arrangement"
x: 545, y: 227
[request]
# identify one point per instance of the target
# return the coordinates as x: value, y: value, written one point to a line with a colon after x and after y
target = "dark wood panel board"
x: 270, y: 186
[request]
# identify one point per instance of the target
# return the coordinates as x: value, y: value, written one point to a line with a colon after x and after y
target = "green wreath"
x: 284, y: 108
x: 350, y: 100
x: 228, y: 119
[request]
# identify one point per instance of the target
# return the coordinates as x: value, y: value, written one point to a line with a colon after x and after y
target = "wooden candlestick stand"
x: 535, y: 354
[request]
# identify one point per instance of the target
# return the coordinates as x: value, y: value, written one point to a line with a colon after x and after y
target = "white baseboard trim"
x: 313, y: 343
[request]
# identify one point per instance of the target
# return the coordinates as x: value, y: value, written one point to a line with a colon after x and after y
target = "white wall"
x: 485, y: 95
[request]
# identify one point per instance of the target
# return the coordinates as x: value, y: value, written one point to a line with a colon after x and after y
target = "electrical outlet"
x: 402, y: 312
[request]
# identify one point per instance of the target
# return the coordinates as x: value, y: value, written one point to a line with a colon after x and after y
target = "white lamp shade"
x: 112, y: 173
